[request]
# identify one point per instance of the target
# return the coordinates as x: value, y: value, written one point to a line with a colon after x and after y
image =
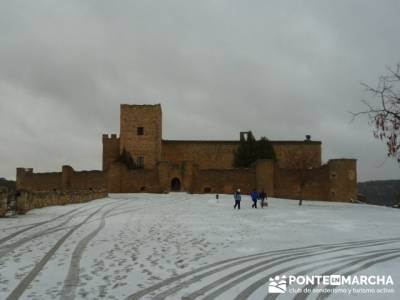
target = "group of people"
x: 255, y: 196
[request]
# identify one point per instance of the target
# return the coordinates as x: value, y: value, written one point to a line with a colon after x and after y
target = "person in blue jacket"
x: 254, y: 197
x: 238, y: 197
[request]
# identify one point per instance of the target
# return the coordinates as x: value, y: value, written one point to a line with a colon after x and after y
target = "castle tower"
x: 141, y: 133
x: 110, y: 150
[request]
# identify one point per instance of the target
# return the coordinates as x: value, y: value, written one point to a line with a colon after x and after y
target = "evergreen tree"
x: 250, y: 150
x: 265, y: 149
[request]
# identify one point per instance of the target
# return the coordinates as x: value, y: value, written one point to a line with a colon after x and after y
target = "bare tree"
x: 384, y: 112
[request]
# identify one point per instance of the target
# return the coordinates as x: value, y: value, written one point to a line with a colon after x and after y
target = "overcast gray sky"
x: 283, y: 69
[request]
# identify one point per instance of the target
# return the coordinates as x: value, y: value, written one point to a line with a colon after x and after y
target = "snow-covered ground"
x: 180, y: 246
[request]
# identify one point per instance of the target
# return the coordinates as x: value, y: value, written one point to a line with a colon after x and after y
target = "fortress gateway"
x: 198, y: 166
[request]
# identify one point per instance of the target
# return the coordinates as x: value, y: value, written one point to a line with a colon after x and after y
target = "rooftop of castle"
x: 141, y: 105
x: 237, y: 141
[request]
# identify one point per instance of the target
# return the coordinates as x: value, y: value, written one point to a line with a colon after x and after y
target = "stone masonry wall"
x: 334, y: 181
x: 342, y: 179
x: 3, y: 200
x: 28, y: 180
x: 122, y: 180
x: 224, y: 181
x: 28, y: 200
x: 147, y: 145
x: 220, y: 154
x: 287, y: 183
x: 68, y: 179
x: 208, y: 155
x: 292, y: 154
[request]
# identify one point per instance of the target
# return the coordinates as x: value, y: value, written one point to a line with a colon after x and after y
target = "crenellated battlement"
x: 112, y: 136
x: 141, y: 106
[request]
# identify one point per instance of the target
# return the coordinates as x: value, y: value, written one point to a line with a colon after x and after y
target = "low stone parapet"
x: 27, y: 200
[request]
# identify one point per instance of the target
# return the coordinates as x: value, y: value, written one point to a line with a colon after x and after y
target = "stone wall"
x: 28, y: 180
x: 224, y: 181
x: 291, y: 154
x: 206, y: 154
x: 334, y: 181
x: 287, y: 183
x: 67, y: 179
x: 3, y: 200
x: 83, y: 180
x: 220, y: 154
x: 123, y: 180
x: 342, y: 179
x: 28, y: 200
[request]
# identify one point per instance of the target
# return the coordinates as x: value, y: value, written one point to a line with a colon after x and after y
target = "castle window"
x: 140, y: 131
x: 140, y: 162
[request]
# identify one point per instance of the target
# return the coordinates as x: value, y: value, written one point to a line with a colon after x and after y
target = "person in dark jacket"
x: 263, y: 197
x: 238, y: 197
x: 254, y: 197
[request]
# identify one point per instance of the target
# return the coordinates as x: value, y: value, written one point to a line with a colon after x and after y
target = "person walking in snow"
x: 254, y: 196
x: 238, y: 197
x: 263, y: 197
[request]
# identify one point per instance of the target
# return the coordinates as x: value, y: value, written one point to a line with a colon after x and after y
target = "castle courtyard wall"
x: 28, y: 200
x: 220, y: 154
x: 3, y: 200
x: 291, y: 154
x: 28, y: 180
x: 67, y: 179
x: 225, y: 181
x: 206, y: 154
x: 287, y: 183
x: 123, y: 180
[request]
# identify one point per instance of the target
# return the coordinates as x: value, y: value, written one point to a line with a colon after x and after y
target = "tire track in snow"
x: 257, y: 268
x: 363, y: 267
x: 244, y: 259
x: 34, y: 225
x: 23, y: 285
x: 314, y: 268
x: 246, y: 293
x: 6, y: 249
x: 336, y: 269
x: 72, y: 279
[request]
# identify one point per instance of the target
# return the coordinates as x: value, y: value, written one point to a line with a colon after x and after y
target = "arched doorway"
x: 175, y: 185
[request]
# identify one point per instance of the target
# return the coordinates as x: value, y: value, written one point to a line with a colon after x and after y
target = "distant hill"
x: 380, y: 192
x: 10, y: 184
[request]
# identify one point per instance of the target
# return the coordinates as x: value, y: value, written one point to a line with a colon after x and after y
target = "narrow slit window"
x: 140, y: 162
x: 140, y: 130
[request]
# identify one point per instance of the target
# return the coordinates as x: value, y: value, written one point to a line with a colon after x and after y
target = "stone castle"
x: 199, y: 166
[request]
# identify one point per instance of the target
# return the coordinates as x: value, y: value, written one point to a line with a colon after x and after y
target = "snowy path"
x: 180, y: 246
